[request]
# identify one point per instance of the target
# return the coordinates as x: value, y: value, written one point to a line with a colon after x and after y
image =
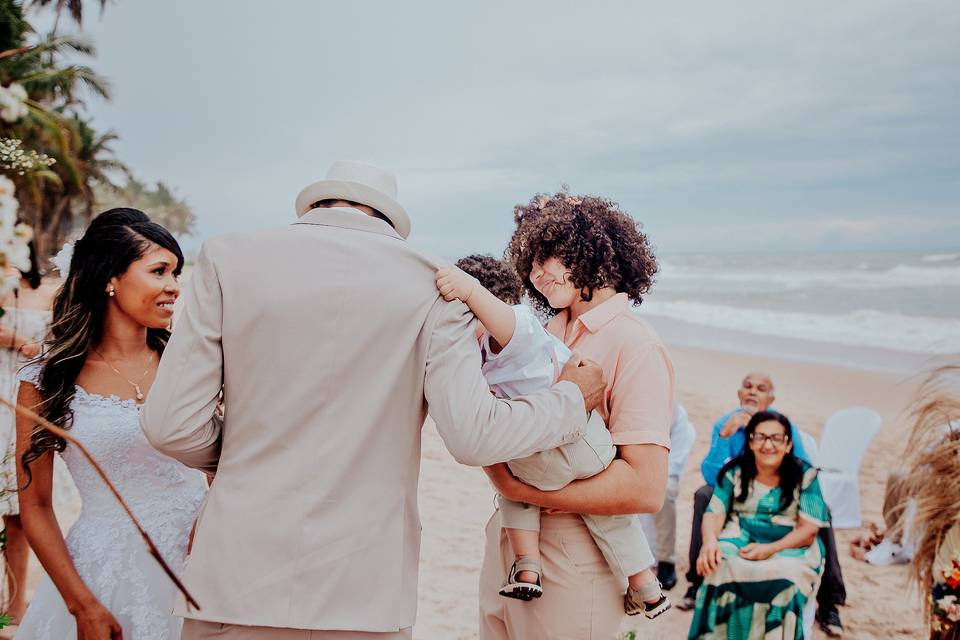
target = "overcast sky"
x: 721, y: 126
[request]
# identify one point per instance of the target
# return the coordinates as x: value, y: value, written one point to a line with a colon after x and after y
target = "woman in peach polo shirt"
x: 586, y: 258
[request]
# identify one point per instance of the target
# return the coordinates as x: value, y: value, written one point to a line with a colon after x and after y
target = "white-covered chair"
x: 843, y: 443
x: 811, y: 447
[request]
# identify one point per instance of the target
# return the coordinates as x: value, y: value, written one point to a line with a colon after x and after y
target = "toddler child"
x: 519, y: 357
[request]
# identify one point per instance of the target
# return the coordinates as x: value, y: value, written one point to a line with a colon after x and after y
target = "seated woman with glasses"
x: 761, y: 558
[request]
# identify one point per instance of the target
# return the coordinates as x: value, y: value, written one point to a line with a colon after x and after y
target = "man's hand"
x: 587, y: 375
x: 454, y: 283
x: 503, y: 481
x: 734, y: 423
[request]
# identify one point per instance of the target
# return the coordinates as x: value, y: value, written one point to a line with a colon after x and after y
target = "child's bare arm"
x: 495, y: 314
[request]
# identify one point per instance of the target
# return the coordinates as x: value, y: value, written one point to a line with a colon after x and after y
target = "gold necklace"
x: 135, y: 385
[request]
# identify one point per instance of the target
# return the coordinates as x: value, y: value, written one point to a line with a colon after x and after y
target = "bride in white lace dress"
x: 109, y: 328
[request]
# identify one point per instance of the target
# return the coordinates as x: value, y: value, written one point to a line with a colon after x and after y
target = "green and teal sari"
x: 760, y: 599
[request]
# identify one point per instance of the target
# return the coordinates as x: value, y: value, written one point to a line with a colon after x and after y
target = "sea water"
x: 900, y: 302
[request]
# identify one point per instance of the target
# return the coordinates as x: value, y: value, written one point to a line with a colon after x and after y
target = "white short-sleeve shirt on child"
x: 530, y: 362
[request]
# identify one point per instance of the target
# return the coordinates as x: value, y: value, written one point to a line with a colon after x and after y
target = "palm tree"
x: 90, y: 165
x: 83, y: 176
x: 52, y: 126
x: 13, y: 26
x: 37, y: 68
x: 73, y: 7
x: 160, y: 203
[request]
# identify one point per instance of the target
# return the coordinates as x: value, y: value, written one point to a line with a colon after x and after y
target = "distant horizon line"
x: 954, y: 251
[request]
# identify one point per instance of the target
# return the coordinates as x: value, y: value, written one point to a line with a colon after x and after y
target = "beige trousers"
x: 621, y: 539
x: 582, y: 600
x: 202, y: 630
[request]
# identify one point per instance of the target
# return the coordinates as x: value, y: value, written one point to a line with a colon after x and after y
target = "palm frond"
x: 55, y: 45
x: 73, y: 7
x: 64, y: 81
x: 50, y: 176
x: 51, y: 123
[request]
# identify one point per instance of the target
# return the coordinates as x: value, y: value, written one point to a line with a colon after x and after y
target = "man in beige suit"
x: 331, y: 344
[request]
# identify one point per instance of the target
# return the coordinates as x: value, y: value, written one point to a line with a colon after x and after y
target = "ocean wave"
x: 765, y: 279
x: 941, y: 257
x: 919, y: 334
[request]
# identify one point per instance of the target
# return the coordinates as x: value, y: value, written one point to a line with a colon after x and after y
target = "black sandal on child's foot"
x: 525, y: 591
x: 636, y: 601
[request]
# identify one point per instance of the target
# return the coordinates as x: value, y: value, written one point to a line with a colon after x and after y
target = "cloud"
x: 691, y: 115
x: 821, y: 233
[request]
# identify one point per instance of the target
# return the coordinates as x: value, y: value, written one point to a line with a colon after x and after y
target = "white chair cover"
x: 846, y: 436
x: 810, y: 611
x: 811, y: 447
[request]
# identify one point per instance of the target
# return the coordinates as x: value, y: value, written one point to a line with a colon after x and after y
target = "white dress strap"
x: 31, y: 373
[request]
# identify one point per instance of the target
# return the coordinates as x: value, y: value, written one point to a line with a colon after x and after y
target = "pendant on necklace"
x: 139, y: 393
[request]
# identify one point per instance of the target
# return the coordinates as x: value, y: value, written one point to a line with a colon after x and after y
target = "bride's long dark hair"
x: 114, y: 240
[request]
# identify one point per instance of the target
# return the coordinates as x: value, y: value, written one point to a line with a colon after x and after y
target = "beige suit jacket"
x: 331, y: 345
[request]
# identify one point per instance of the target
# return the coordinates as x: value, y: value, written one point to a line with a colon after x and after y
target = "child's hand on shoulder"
x: 454, y: 283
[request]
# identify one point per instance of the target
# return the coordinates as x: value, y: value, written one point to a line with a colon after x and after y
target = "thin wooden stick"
x: 13, y: 52
x: 151, y: 547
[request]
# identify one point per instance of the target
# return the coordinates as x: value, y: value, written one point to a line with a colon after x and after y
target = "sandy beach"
x: 456, y: 501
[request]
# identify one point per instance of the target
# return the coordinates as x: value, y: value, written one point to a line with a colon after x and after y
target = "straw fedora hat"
x: 360, y: 183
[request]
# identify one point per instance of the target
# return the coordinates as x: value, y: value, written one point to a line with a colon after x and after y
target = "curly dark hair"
x: 601, y: 245
x: 497, y: 276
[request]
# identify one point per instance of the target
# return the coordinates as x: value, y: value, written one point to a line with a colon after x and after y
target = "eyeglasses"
x: 778, y: 439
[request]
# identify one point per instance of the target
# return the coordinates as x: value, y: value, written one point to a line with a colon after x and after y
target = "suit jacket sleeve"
x: 477, y: 428
x: 178, y: 417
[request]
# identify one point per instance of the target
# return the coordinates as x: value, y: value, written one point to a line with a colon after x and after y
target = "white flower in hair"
x: 62, y: 260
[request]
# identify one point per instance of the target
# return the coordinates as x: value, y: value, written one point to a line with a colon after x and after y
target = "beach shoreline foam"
x: 733, y: 341
x: 882, y: 310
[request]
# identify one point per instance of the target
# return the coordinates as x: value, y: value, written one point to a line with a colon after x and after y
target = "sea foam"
x: 860, y: 328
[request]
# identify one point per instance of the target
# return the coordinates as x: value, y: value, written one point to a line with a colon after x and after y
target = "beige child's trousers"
x: 620, y: 538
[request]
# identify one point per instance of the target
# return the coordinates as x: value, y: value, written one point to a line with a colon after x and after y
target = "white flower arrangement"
x: 950, y: 608
x: 12, y: 100
x: 14, y: 238
x: 20, y: 161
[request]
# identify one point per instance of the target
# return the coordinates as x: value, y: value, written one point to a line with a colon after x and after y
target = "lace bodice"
x: 154, y: 485
x: 104, y: 546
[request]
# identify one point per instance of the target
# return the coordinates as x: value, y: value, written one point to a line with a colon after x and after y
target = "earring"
x: 111, y: 292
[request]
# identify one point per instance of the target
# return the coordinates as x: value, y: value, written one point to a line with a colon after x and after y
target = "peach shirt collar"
x: 599, y: 316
